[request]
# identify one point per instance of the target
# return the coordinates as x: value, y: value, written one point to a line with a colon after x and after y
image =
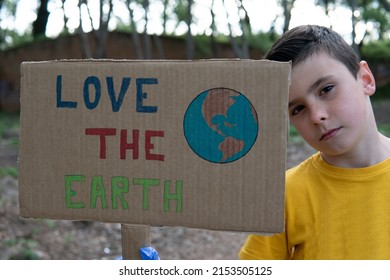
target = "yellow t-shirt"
x: 331, y: 213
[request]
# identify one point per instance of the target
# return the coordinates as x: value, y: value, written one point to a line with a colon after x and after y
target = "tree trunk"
x: 102, y: 34
x: 147, y: 40
x: 190, y: 39
x: 85, y: 47
x: 134, y: 34
x: 213, y: 43
x: 352, y: 5
x: 159, y: 46
x: 236, y: 49
x: 245, y: 29
x: 287, y: 6
x: 39, y: 25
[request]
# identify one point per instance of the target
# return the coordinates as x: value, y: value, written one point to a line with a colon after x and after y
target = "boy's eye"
x: 326, y: 89
x: 296, y: 110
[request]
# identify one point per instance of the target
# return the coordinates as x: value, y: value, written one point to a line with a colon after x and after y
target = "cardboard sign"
x: 166, y: 143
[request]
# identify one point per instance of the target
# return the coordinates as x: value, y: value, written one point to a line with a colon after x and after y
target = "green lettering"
x: 98, y: 191
x: 119, y: 186
x: 146, y: 183
x: 173, y: 196
x: 69, y: 192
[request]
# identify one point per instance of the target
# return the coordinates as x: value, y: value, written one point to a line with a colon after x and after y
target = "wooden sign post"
x: 134, y: 237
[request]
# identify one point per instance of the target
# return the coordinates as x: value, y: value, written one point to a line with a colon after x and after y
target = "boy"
x: 338, y: 200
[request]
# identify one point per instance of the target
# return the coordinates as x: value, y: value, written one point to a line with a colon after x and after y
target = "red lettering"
x: 125, y: 145
x: 129, y: 146
x: 149, y: 146
x: 102, y: 132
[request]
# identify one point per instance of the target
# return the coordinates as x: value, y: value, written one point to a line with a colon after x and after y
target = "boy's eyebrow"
x: 313, y: 86
x: 318, y: 82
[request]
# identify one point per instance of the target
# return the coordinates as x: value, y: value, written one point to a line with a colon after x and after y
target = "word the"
x: 125, y: 145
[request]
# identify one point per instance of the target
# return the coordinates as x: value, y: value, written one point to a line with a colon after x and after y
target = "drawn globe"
x: 221, y: 125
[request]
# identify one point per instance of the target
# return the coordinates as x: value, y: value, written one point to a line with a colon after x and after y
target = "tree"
x: 39, y: 25
x: 143, y: 48
x: 213, y: 43
x: 183, y: 12
x: 353, y: 6
x: 147, y: 41
x: 364, y: 11
x: 165, y: 15
x: 8, y: 36
x: 134, y: 34
x: 287, y: 6
x: 240, y: 33
x: 239, y: 45
x: 100, y: 34
x: 327, y: 4
x: 245, y: 26
x: 381, y: 15
x: 189, y: 38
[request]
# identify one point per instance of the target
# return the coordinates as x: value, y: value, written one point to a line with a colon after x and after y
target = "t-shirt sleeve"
x: 259, y: 247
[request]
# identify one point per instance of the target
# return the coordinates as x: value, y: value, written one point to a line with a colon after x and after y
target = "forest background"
x: 241, y: 23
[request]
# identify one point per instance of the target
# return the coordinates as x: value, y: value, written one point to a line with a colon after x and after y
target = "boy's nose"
x: 318, y: 115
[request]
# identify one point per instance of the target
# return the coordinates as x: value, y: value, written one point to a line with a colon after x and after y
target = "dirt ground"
x: 49, y: 239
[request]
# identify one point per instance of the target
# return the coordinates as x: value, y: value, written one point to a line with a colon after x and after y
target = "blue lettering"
x: 92, y: 80
x: 60, y: 103
x: 143, y: 95
x: 117, y: 103
x: 92, y: 91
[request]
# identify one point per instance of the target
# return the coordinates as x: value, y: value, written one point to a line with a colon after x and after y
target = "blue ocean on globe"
x: 238, y: 125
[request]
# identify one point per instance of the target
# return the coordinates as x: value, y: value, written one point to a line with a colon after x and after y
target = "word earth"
x: 119, y: 187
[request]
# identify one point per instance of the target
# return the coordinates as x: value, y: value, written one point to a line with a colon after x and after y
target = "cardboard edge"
x: 105, y: 60
x: 25, y: 213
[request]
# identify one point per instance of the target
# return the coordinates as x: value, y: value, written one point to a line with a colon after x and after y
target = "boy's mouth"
x: 329, y: 134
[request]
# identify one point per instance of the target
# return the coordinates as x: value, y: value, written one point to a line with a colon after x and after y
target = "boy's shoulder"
x: 303, y: 176
x: 316, y: 170
x: 305, y: 166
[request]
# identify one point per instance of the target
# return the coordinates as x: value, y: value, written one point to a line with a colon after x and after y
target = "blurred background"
x: 177, y: 29
x: 33, y: 30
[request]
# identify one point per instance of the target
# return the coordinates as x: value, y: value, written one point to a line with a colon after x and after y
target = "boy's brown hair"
x: 301, y: 42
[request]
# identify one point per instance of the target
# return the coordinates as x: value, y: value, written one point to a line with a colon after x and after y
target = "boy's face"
x: 329, y: 107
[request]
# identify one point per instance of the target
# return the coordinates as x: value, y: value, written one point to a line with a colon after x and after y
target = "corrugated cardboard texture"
x: 75, y: 114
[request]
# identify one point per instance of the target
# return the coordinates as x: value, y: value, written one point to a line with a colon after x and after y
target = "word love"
x: 92, y: 92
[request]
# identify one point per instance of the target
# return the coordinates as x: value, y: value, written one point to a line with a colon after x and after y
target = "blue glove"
x: 149, y: 253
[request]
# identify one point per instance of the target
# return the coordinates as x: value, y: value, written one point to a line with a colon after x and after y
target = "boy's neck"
x: 376, y: 152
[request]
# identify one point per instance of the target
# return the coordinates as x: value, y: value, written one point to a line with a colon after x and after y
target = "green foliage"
x: 384, y: 129
x: 202, y: 46
x: 376, y: 14
x: 9, y: 171
x: 12, y: 39
x: 379, y: 17
x: 180, y: 10
x: 294, y: 136
x: 263, y: 41
x: 382, y: 92
x: 8, y: 121
x: 26, y: 249
x: 376, y: 51
x: 8, y: 36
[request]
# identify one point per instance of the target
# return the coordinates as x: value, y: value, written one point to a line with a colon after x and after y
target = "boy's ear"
x: 367, y: 78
